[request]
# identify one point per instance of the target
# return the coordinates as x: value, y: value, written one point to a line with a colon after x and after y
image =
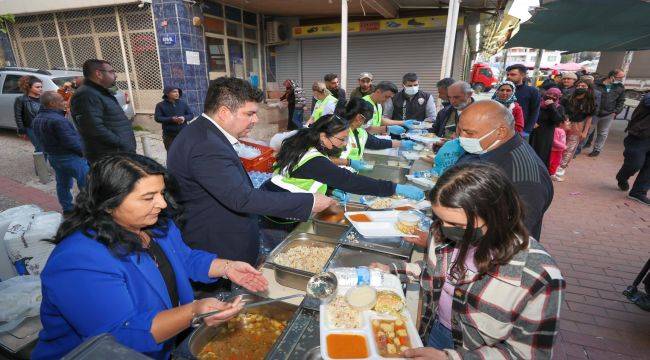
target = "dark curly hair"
x: 26, y: 82
x: 109, y: 182
x: 482, y: 191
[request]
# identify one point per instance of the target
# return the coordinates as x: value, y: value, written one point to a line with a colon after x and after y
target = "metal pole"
x: 344, y: 43
x: 538, y: 63
x: 503, y: 68
x: 124, y: 59
x: 450, y: 38
x: 58, y: 36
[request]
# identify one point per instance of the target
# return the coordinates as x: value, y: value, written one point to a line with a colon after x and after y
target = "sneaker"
x: 560, y: 172
x: 623, y: 185
x: 594, y: 153
x: 640, y: 198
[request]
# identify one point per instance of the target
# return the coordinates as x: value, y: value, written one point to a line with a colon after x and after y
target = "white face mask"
x: 473, y: 145
x: 411, y: 90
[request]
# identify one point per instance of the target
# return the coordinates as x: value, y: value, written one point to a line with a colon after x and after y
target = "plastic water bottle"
x: 349, y: 276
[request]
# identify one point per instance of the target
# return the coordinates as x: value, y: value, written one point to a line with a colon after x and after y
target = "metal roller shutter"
x: 287, y: 62
x: 387, y: 57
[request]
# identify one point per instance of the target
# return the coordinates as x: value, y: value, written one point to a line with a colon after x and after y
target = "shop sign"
x: 389, y: 25
x: 168, y: 39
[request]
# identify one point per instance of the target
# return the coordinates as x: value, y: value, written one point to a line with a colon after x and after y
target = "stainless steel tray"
x: 396, y: 246
x: 345, y: 256
x: 395, y: 174
x: 301, y: 338
x: 334, y: 230
x: 204, y: 334
x: 296, y: 278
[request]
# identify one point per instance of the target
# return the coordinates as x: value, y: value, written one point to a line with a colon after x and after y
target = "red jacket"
x: 518, y: 113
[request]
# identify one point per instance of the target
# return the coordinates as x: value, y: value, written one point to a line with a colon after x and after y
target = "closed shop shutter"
x: 287, y: 62
x: 387, y: 57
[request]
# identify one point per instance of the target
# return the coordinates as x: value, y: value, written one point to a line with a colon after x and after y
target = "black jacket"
x: 25, y: 110
x: 639, y: 125
x: 166, y: 109
x: 221, y: 205
x: 612, y: 101
x: 56, y: 133
x: 101, y: 121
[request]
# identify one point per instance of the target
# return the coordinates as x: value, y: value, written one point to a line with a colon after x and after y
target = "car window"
x: 10, y: 85
x: 59, y: 81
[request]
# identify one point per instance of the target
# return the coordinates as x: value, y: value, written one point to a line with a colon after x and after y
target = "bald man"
x: 486, y: 132
x: 62, y: 144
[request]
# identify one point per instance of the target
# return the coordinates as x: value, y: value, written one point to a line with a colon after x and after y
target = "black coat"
x: 612, y: 101
x: 541, y: 138
x: 221, y: 206
x: 101, y: 122
x: 25, y: 111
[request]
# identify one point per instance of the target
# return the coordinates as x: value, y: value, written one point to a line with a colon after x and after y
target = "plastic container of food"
x: 408, y: 221
x: 361, y: 297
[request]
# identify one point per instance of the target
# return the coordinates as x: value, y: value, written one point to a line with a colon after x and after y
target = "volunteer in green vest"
x: 379, y: 124
x: 358, y: 112
x: 303, y: 165
x: 325, y: 102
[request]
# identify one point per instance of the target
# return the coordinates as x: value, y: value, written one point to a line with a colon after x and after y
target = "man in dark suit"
x: 221, y: 204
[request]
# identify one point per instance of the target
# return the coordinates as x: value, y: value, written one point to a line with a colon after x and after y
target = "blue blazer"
x: 221, y: 206
x: 88, y: 291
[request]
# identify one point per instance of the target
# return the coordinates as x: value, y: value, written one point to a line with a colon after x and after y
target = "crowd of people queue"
x: 138, y: 232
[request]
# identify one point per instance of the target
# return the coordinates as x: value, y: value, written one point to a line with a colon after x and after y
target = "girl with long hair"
x: 495, y: 293
x: 26, y: 108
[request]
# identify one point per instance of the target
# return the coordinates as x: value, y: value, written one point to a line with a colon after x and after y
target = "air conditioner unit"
x: 276, y: 33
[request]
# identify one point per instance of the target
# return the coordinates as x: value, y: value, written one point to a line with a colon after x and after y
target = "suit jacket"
x: 221, y: 204
x: 88, y: 291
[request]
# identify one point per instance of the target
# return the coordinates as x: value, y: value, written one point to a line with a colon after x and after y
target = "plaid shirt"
x: 510, y: 314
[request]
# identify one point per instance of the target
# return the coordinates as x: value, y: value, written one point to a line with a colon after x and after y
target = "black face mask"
x: 333, y: 152
x: 456, y: 234
x: 580, y: 91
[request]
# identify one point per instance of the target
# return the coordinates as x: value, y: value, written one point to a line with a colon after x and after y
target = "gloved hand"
x: 359, y: 165
x: 396, y: 130
x: 340, y: 195
x: 409, y: 191
x: 407, y: 145
x: 410, y: 123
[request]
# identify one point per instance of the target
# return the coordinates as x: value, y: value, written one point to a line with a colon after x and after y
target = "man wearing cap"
x: 365, y: 86
x: 568, y: 79
x: 411, y: 103
x: 173, y: 113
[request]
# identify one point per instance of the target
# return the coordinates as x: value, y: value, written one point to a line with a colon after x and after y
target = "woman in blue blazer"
x: 121, y: 267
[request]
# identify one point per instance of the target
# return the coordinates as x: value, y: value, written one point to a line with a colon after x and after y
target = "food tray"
x: 331, y: 229
x: 366, y: 323
x: 424, y: 139
x: 296, y: 278
x: 395, y: 245
x: 345, y: 256
x: 423, y: 182
x: 396, y: 203
x: 382, y: 224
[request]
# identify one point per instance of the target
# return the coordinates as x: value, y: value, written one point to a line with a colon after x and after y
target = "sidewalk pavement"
x: 599, y: 238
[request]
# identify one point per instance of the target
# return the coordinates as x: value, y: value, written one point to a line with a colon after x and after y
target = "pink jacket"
x: 559, y: 139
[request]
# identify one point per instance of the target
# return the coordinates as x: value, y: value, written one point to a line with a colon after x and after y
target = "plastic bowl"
x: 361, y: 297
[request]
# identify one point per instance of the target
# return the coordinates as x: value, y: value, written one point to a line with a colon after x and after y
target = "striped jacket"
x: 510, y: 314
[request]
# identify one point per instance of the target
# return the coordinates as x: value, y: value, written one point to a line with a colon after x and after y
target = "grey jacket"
x: 101, y: 122
x: 612, y: 101
x: 25, y: 110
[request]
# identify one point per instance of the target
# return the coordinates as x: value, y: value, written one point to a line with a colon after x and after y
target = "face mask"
x: 580, y: 91
x: 617, y: 82
x: 333, y: 152
x: 473, y: 146
x: 457, y: 234
x: 411, y: 90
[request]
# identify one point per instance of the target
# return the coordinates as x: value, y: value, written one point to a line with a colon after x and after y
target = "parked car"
x: 52, y: 80
x: 482, y: 79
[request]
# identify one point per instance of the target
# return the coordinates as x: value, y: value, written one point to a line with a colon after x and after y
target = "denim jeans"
x: 602, y: 130
x: 34, y: 139
x: 68, y: 168
x: 298, y: 118
x: 440, y: 337
x: 637, y: 158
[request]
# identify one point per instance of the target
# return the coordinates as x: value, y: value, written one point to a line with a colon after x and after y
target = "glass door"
x: 216, y: 57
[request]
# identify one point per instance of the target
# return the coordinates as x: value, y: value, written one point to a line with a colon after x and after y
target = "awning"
x: 587, y: 25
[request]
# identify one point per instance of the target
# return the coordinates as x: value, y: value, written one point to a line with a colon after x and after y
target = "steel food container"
x: 396, y: 174
x: 204, y: 334
x: 296, y: 278
x: 334, y: 230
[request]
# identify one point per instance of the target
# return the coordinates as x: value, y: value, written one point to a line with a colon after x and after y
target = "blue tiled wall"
x: 6, y: 47
x: 192, y: 79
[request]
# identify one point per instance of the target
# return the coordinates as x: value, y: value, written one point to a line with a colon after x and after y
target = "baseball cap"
x: 365, y: 75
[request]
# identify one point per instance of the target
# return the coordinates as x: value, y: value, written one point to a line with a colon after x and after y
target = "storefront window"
x: 233, y: 14
x: 236, y: 57
x: 213, y: 25
x: 233, y: 29
x: 250, y: 33
x: 250, y: 18
x: 216, y: 58
x: 252, y: 64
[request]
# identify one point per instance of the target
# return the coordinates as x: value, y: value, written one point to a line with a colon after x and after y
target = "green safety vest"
x: 354, y: 150
x: 319, y: 107
x: 376, y: 117
x: 298, y: 185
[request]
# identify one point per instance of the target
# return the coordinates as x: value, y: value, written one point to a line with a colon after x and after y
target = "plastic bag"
x: 24, y: 240
x: 20, y: 298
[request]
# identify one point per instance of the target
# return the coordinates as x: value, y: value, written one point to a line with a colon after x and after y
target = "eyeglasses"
x: 341, y: 140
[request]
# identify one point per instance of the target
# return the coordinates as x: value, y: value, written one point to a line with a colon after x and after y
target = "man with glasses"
x: 612, y: 101
x: 97, y: 114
